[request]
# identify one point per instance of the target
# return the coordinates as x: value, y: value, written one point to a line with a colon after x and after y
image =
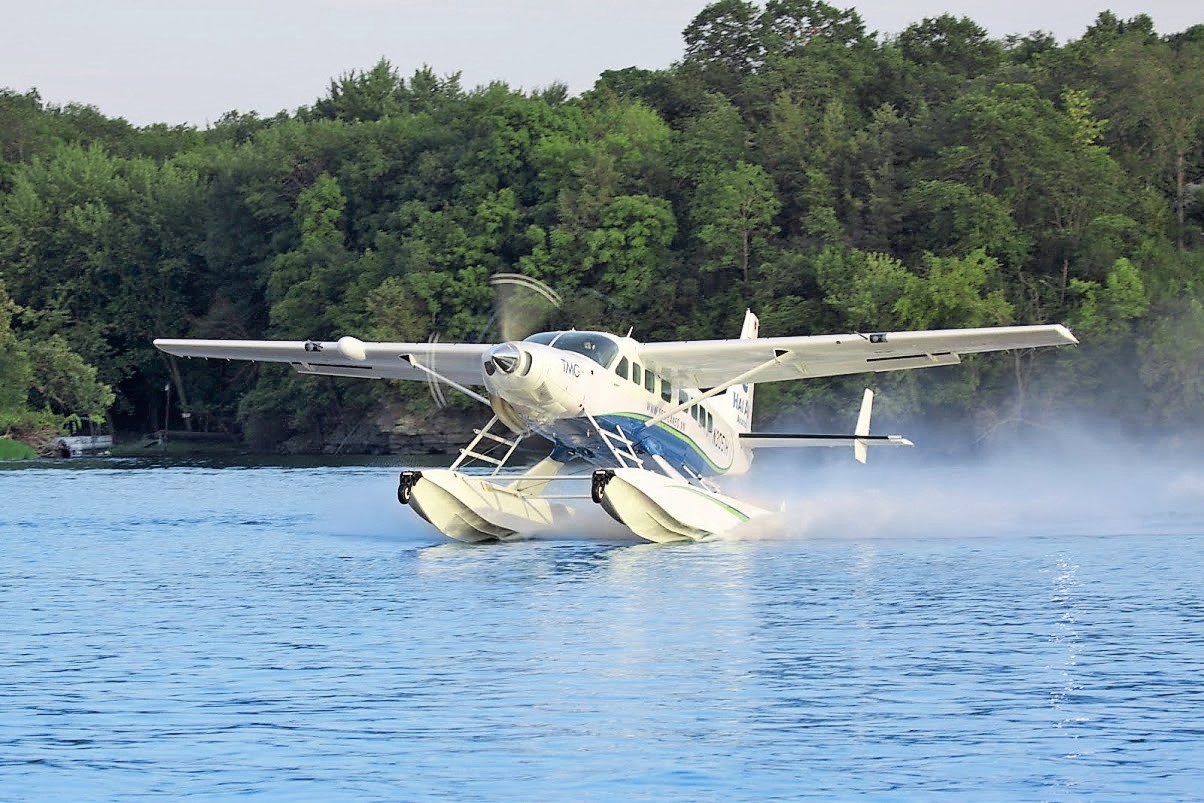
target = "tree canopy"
x: 792, y: 162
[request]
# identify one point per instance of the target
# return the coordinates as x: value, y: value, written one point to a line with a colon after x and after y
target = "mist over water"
x: 1073, y: 484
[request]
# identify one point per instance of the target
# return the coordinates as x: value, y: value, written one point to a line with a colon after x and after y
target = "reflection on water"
x: 189, y: 630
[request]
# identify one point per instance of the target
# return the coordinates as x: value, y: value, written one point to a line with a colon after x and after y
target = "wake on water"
x: 1115, y: 489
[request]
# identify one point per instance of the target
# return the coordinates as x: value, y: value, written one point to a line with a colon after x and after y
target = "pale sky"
x: 166, y: 61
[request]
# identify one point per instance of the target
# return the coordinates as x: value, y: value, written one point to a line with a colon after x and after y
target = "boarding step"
x: 619, y: 444
x: 475, y: 451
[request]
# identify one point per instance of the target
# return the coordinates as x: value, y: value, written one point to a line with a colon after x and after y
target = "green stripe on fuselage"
x: 681, y: 436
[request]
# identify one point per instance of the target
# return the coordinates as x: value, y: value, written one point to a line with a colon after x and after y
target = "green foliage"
x: 15, y: 450
x: 1170, y: 365
x: 1106, y: 310
x: 64, y: 383
x: 954, y: 293
x: 955, y: 46
x: 864, y: 289
x: 45, y: 387
x: 16, y: 373
x: 791, y: 162
x: 875, y: 291
x: 954, y: 218
x: 738, y: 206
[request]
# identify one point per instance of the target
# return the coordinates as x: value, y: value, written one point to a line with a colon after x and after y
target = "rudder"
x: 739, y: 407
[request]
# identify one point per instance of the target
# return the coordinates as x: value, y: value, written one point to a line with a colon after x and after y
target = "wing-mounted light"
x: 352, y: 348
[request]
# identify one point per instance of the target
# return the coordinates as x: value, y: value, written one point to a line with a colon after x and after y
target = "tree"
x: 788, y: 27
x: 365, y: 95
x: 723, y: 45
x: 1155, y: 100
x: 954, y: 293
x: 1170, y: 365
x: 64, y: 384
x: 630, y: 252
x: 45, y: 387
x: 948, y: 218
x: 1107, y: 310
x: 307, y: 282
x: 939, y: 178
x: 24, y: 127
x: 739, y: 206
x: 956, y: 45
x: 863, y: 288
x: 16, y: 374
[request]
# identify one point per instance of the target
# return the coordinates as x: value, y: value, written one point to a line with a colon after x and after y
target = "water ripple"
x: 201, y: 632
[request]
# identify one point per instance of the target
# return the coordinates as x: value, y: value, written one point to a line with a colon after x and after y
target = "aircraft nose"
x: 504, y: 358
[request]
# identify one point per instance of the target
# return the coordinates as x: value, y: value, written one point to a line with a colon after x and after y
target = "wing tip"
x: 1066, y: 335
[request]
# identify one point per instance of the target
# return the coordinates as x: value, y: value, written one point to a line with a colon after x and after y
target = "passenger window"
x: 650, y: 382
x: 621, y: 369
x: 710, y: 422
x: 682, y: 397
x: 666, y: 390
x: 636, y: 373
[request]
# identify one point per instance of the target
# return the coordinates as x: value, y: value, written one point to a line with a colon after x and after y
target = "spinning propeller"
x: 522, y: 306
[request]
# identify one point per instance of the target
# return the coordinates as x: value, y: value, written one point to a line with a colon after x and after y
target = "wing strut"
x: 409, y: 358
x: 715, y: 391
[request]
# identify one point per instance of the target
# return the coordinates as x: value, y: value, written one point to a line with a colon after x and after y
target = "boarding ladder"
x: 485, y: 445
x: 619, y: 444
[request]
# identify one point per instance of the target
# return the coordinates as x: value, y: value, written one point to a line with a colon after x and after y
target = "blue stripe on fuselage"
x: 676, y: 447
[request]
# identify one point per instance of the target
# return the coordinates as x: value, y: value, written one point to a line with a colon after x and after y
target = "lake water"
x: 189, y: 630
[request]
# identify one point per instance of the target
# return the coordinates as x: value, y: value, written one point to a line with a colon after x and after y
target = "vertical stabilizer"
x: 860, y: 452
x: 739, y: 398
x: 752, y: 326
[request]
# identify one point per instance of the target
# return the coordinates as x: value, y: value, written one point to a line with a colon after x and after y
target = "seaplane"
x: 659, y: 426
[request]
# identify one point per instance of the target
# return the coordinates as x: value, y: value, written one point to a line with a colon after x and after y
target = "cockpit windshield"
x: 599, y: 347
x: 544, y: 338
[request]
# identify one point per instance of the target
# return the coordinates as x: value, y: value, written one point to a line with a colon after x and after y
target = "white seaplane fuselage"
x: 587, y: 393
x: 570, y: 386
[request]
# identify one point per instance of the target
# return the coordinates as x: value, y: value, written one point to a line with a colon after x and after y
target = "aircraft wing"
x: 460, y: 362
x: 708, y: 363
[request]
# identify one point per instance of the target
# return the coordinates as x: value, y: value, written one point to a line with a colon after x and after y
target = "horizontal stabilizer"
x: 861, y: 437
x: 758, y: 440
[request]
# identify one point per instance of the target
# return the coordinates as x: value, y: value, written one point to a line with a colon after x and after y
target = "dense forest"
x: 791, y: 162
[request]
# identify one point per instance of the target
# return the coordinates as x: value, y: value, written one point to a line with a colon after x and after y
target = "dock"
x: 80, y: 445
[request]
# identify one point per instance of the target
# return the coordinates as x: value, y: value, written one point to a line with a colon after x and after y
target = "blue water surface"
x: 188, y: 630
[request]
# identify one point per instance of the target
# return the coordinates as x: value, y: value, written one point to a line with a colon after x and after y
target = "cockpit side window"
x: 621, y: 368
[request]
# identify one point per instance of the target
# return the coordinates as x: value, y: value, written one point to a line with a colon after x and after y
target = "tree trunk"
x: 178, y: 381
x: 744, y: 235
x: 1181, y: 194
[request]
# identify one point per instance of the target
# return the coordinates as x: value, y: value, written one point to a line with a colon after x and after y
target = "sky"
x: 164, y: 61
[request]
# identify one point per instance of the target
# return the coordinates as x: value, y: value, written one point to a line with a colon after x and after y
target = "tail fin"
x: 860, y: 452
x: 739, y: 407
